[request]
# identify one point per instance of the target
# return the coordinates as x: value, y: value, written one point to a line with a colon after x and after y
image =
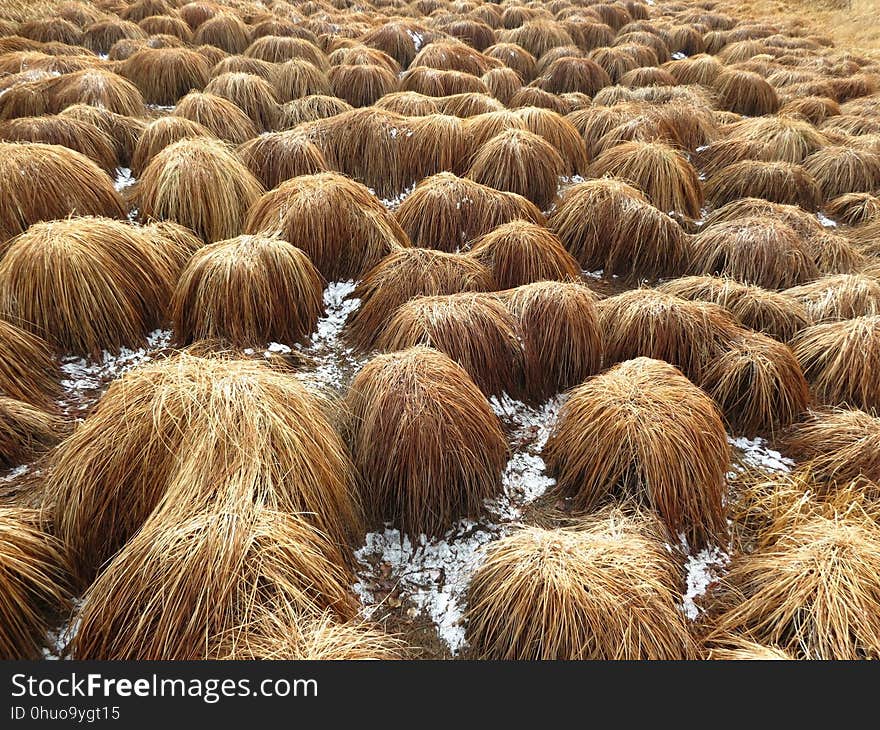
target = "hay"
x: 162, y: 133
x: 776, y: 314
x: 842, y: 361
x: 247, y: 292
x: 25, y: 431
x: 278, y: 156
x: 758, y: 385
x: 519, y: 162
x: 163, y: 75
x: 754, y: 250
x: 218, y: 115
x: 775, y: 182
x: 34, y: 583
x: 441, y: 449
x: 839, y: 170
x: 474, y: 329
x: 607, y: 224
x: 664, y: 175
x: 342, y: 227
x: 566, y: 594
x: 176, y: 585
x: 520, y: 252
x: 252, y: 94
x: 446, y: 212
x: 41, y: 182
x: 642, y: 430
x: 562, y: 338
x: 187, y: 433
x: 842, y: 296
x: 121, y: 290
x: 403, y: 275
x: 200, y: 184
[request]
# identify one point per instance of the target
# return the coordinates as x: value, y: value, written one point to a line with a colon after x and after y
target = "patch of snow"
x: 417, y: 39
x: 277, y: 348
x: 826, y: 221
x: 124, y: 179
x: 58, y: 640
x: 703, y: 569
x: 16, y: 473
x: 597, y: 274
x: 679, y: 55
x: 394, y: 203
x: 755, y: 452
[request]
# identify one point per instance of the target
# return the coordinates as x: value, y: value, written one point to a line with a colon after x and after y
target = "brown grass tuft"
x: 124, y: 131
x: 853, y: 209
x: 362, y: 85
x: 159, y: 134
x: 842, y: 361
x: 839, y: 170
x: 515, y: 57
x: 25, y: 431
x: 562, y: 338
x: 436, y: 82
x: 310, y: 108
x: 102, y: 34
x: 279, y: 156
x: 225, y: 31
x: 254, y: 95
x: 574, y: 74
x: 566, y: 594
x: 163, y: 75
x: 408, y: 104
x: 441, y: 448
x: 842, y: 296
x: 247, y: 292
x: 758, y: 384
x: 446, y: 212
x: 754, y: 250
x: 474, y: 329
x: 745, y: 92
x: 608, y: 224
x: 560, y: 133
x: 34, y: 583
x: 774, y: 313
x: 502, y: 83
x: 200, y: 184
x: 403, y: 275
x: 776, y: 182
x: 99, y: 88
x: 218, y: 115
x: 643, y: 430
x: 739, y: 648
x: 28, y: 371
x: 520, y: 252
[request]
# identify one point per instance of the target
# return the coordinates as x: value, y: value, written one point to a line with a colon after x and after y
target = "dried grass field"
x: 439, y: 329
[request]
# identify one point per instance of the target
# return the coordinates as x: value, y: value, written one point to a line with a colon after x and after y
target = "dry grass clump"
x: 515, y: 57
x: 842, y: 445
x: 252, y: 94
x: 567, y: 594
x: 754, y: 250
x: 225, y: 31
x: 436, y: 82
x: 63, y: 131
x: 44, y: 182
x: 188, y: 433
x: 839, y: 170
x: 758, y: 384
x: 745, y: 92
x: 574, y: 74
x: 815, y: 109
x: 651, y: 323
x: 218, y: 115
x: 408, y: 104
x: 483, y: 127
x: 474, y: 329
x: 665, y: 176
x: 446, y: 212
x: 560, y: 133
x: 245, y: 65
x: 607, y: 224
x: 842, y: 361
x: 159, y: 134
x: 728, y: 648
x: 811, y: 590
x: 279, y: 156
x: 774, y: 313
x: 101, y: 35
x: 452, y: 56
x: 342, y: 227
x: 121, y: 290
x: 700, y: 68
x: 25, y: 431
x: 100, y: 88
x: 124, y: 131
x: 28, y: 371
x: 503, y: 83
x: 163, y: 75
x: 532, y: 96
x: 167, y: 25
x: 310, y: 108
x: 200, y: 184
x: 775, y: 182
x: 27, y: 99
x: 521, y: 162
x: 841, y: 296
x: 777, y: 138
x: 468, y: 105
x: 806, y: 224
x: 34, y: 583
x: 866, y: 238
x: 521, y: 252
x: 180, y: 583
x: 278, y: 49
x: 424, y: 440
x: 283, y: 632
x: 247, y: 292
x: 361, y: 85
x: 853, y: 209
x: 404, y: 275
x: 643, y: 430
x: 562, y: 338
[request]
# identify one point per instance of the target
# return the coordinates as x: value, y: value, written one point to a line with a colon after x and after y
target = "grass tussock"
x: 34, y: 583
x: 842, y: 361
x: 642, y: 430
x: 839, y: 170
x: 163, y: 75
x: 278, y: 156
x: 40, y: 182
x: 404, y: 275
x: 566, y: 594
x: 162, y: 133
x: 842, y: 296
x: 25, y: 431
x: 339, y: 224
x: 99, y: 88
x: 775, y: 182
x: 853, y: 209
x: 474, y: 329
x: 310, y: 108
x: 218, y: 115
x: 200, y: 184
x: 745, y: 92
x: 441, y: 449
x: 562, y: 338
x: 124, y: 131
x: 28, y: 370
x: 248, y: 291
x: 255, y: 96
